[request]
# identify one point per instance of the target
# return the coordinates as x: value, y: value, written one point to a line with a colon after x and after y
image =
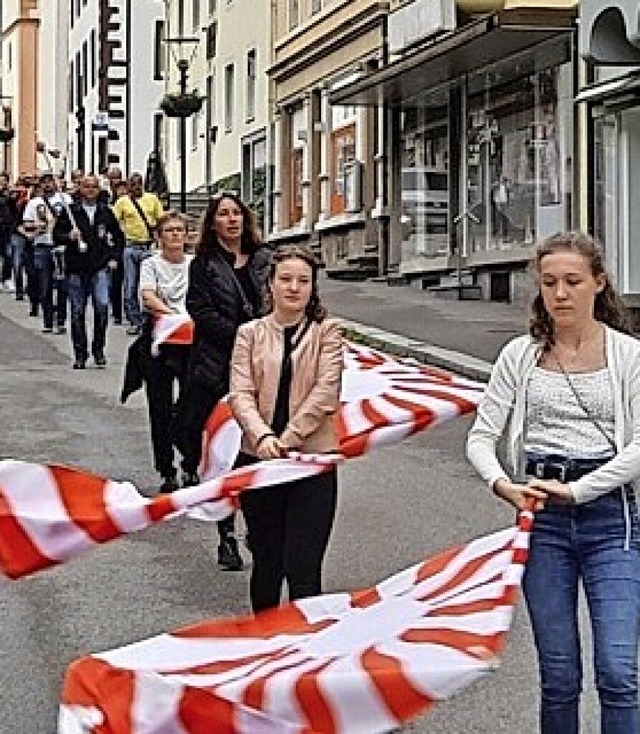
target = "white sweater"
x: 504, y: 401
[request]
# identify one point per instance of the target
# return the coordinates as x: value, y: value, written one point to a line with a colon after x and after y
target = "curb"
x: 401, y: 346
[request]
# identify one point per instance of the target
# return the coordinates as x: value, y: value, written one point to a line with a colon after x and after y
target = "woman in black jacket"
x: 226, y: 282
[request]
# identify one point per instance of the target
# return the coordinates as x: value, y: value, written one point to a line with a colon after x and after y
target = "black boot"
x: 228, y: 555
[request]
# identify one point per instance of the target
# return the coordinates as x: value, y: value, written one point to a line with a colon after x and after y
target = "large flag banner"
x: 384, y: 399
x: 344, y: 663
x: 50, y: 513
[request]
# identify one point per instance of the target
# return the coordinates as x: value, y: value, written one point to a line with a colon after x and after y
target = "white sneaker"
x: 8, y: 287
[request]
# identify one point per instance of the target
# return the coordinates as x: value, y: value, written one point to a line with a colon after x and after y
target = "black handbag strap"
x: 142, y: 216
x: 247, y: 306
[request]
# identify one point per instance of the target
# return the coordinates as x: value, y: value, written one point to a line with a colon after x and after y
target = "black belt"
x: 562, y: 469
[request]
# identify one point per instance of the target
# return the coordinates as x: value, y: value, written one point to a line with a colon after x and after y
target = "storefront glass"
x: 519, y: 156
x: 425, y: 181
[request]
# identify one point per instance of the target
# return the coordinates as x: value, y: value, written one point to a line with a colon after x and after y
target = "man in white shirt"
x: 39, y: 219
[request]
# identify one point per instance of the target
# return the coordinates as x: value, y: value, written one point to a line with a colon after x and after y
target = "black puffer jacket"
x: 216, y: 307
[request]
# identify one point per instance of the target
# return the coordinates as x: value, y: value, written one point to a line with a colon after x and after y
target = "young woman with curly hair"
x: 567, y: 396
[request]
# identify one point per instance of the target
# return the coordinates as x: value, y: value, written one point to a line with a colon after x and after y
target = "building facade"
x: 227, y: 47
x: 115, y: 83
x: 480, y: 137
x: 19, y: 100
x: 608, y: 41
x: 328, y: 183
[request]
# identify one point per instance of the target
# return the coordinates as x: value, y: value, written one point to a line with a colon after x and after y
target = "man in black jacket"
x: 93, y: 243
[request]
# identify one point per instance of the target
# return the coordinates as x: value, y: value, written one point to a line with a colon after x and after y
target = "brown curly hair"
x: 314, y: 310
x: 608, y: 307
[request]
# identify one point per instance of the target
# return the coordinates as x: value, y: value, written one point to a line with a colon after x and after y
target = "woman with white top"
x: 568, y: 398
x: 164, y: 279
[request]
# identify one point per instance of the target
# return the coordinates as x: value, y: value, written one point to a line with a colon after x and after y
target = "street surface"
x: 397, y: 506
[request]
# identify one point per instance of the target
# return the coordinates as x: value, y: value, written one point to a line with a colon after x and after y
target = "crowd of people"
x: 566, y: 396
x: 65, y: 243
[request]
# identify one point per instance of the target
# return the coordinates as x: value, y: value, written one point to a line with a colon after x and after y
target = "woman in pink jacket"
x: 285, y: 386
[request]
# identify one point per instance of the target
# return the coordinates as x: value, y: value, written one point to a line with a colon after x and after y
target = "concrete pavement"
x: 462, y: 336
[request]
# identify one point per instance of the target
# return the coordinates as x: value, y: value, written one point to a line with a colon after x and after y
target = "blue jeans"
x: 586, y: 542
x: 17, y: 258
x: 47, y: 283
x: 134, y: 254
x: 81, y: 286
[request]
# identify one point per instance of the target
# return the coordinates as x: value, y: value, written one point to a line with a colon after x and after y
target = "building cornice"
x: 354, y: 26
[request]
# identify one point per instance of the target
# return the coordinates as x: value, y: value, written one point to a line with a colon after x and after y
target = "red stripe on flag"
x: 400, y: 696
x: 83, y: 497
x: 92, y: 682
x: 288, y: 620
x: 365, y: 598
x: 159, y: 508
x: 483, y: 647
x: 464, y: 573
x: 18, y: 554
x: 202, y: 712
x: 463, y: 405
x: 313, y: 703
x: 422, y: 416
x: 435, y: 565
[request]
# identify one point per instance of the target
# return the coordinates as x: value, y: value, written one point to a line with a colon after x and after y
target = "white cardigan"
x: 505, y: 401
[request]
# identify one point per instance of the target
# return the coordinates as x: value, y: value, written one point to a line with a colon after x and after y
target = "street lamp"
x: 183, y: 104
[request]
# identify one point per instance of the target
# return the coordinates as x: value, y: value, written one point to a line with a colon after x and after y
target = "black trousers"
x: 194, y: 408
x: 162, y: 374
x: 288, y: 529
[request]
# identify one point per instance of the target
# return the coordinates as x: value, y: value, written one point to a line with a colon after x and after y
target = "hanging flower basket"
x: 181, y: 105
x: 6, y: 134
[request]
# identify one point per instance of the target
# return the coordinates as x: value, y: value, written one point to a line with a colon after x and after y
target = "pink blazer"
x: 315, y: 385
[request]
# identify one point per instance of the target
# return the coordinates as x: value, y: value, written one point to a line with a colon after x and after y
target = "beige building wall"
x: 20, y: 61
x: 226, y: 140
x: 327, y: 160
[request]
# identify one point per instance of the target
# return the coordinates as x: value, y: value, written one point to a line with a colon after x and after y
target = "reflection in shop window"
x: 518, y: 186
x: 425, y: 182
x: 343, y: 155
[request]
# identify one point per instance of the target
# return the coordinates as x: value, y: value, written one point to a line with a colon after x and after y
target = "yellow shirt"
x: 131, y: 222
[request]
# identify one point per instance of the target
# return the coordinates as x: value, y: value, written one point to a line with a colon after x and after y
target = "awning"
x: 493, y: 39
x: 610, y: 88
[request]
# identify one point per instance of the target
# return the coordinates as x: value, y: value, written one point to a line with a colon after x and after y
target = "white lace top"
x: 555, y: 421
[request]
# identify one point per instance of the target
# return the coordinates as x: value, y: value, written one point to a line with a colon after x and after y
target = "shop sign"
x: 418, y: 21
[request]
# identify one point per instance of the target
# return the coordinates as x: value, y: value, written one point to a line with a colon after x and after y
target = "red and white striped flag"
x: 344, y: 663
x: 49, y: 514
x: 384, y: 399
x: 171, y: 329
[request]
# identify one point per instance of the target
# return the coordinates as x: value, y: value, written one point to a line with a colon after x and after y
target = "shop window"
x: 518, y: 160
x: 295, y: 204
x: 424, y: 180
x: 343, y: 156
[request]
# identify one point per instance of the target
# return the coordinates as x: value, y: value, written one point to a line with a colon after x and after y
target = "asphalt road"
x: 397, y: 506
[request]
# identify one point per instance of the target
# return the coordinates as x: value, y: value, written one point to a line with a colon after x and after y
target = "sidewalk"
x: 462, y: 336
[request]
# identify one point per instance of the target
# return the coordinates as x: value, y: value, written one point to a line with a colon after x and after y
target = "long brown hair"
x: 608, y: 307
x: 314, y: 310
x: 208, y: 240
